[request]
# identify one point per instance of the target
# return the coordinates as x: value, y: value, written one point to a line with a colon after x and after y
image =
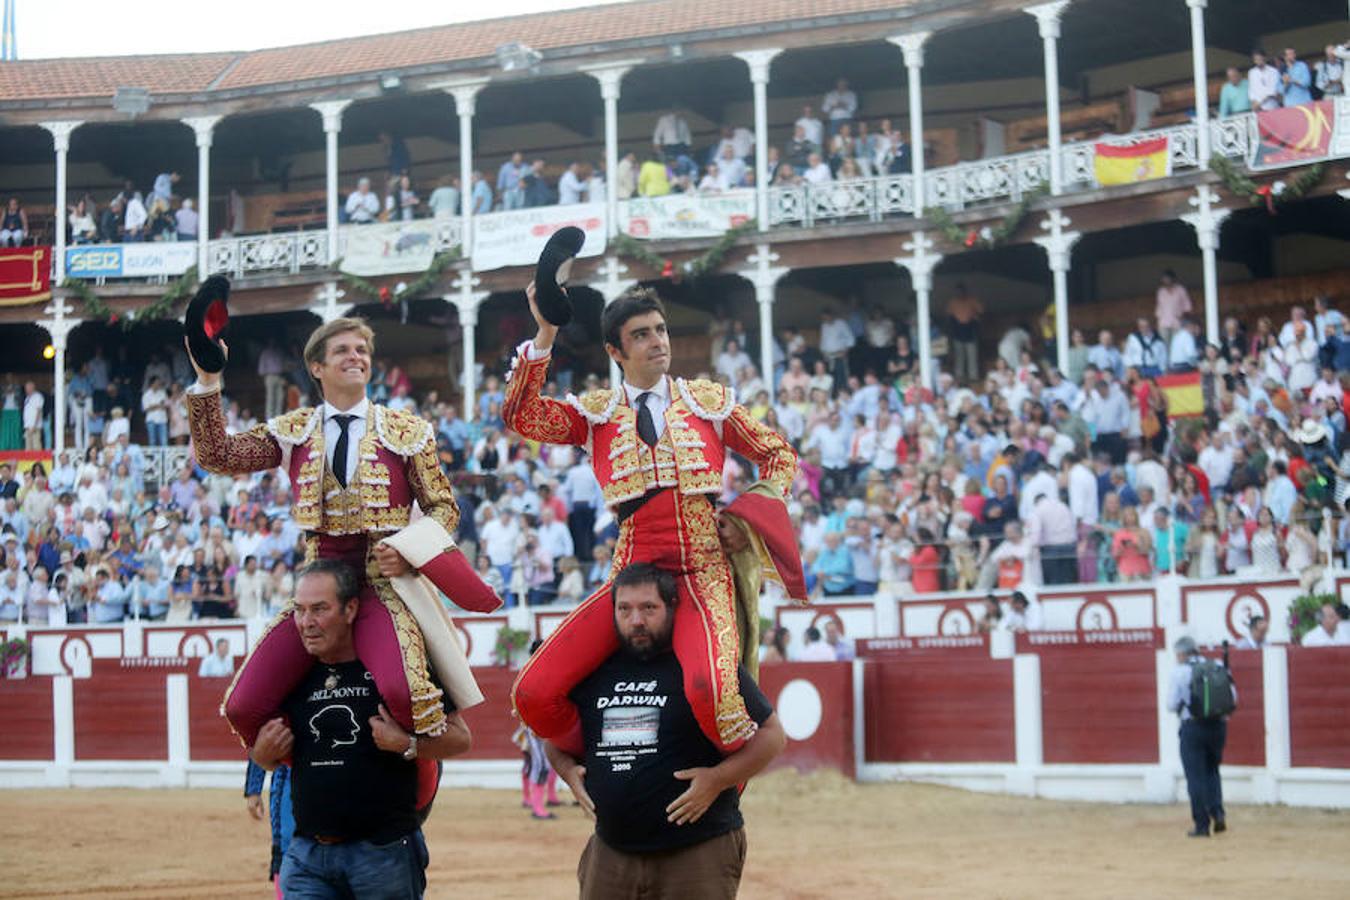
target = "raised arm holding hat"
x: 657, y: 445
x: 356, y: 470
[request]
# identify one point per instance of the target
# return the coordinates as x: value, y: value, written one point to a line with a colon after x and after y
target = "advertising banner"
x: 1294, y: 135
x: 131, y: 260
x: 516, y: 238
x: 388, y: 248
x: 685, y: 215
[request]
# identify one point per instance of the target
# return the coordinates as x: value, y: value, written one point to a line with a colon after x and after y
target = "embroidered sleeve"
x: 228, y: 454
x: 763, y: 446
x: 530, y: 414
x: 431, y: 488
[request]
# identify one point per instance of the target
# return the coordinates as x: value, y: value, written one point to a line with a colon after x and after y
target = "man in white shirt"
x: 571, y: 189
x: 248, y: 589
x: 841, y: 105
x: 671, y: 135
x: 832, y: 440
x: 1184, y: 352
x: 1328, y: 631
x: 1043, y: 481
x: 1216, y: 459
x: 499, y: 538
x: 219, y: 664
x: 136, y: 217
x: 33, y: 403
x: 554, y: 537
x: 1263, y: 83
x: 730, y: 362
x: 1022, y: 614
x: 836, y: 340
x: 817, y: 170
x: 1054, y: 533
x: 815, y: 649
x: 362, y: 205
x: 155, y: 406
x: 1145, y: 350
x: 1083, y: 487
x: 731, y: 167
x: 812, y: 128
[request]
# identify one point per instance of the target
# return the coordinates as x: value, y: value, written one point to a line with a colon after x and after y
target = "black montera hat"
x: 205, y: 322
x: 550, y: 276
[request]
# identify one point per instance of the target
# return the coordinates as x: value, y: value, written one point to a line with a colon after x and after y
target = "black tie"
x: 340, y: 450
x: 646, y: 425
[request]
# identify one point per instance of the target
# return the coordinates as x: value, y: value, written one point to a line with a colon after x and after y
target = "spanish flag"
x: 1184, y: 393
x: 1132, y: 163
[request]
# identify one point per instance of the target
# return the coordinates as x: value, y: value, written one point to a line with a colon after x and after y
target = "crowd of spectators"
x: 1284, y: 81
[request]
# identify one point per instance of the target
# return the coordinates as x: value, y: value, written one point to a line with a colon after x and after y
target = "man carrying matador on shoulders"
x: 658, y: 445
x: 356, y: 470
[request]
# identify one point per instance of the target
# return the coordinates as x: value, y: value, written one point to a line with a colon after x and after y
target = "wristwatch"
x: 411, y: 753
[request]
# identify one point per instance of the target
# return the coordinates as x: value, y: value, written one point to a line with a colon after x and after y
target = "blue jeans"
x: 158, y: 433
x: 358, y: 870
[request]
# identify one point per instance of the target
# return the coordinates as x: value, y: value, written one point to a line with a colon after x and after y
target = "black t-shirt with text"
x: 342, y: 784
x: 639, y: 730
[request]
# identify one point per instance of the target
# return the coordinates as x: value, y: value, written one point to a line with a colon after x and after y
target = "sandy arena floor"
x: 816, y: 836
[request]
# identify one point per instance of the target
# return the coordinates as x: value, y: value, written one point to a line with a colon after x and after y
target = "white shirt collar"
x: 661, y: 390
x: 359, y: 410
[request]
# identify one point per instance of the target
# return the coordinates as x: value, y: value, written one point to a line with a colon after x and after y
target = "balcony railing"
x: 961, y: 186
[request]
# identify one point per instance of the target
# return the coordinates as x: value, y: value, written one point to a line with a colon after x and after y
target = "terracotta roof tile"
x: 44, y: 79
x: 100, y: 77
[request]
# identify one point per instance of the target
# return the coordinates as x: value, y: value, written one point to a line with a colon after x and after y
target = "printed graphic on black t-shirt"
x: 342, y: 784
x: 639, y: 730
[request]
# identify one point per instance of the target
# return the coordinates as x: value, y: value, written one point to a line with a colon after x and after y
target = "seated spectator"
x: 83, y: 229
x: 773, y: 647
x: 840, y: 105
x: 362, y: 207
x: 14, y: 224
x: 1329, y: 73
x: 110, y: 222
x: 219, y: 664
x: 815, y: 649
x: 834, y: 566
x: 1328, y: 632
x: 817, y: 170
x: 1024, y: 616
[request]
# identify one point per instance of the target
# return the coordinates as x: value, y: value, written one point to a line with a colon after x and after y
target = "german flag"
x: 1185, y: 396
x: 1132, y: 163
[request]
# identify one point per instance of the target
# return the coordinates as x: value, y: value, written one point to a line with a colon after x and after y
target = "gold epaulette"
x: 400, y: 431
x: 294, y: 427
x: 707, y: 399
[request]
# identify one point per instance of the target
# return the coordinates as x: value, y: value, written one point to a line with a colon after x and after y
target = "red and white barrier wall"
x: 1076, y: 711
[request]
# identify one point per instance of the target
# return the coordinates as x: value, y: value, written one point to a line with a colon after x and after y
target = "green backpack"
x: 1211, y: 690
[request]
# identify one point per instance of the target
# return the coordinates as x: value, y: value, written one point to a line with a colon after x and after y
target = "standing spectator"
x: 1172, y: 304
x: 1329, y: 74
x: 925, y: 564
x: 571, y: 186
x: 186, y: 221
x: 155, y: 405
x: 250, y: 587
x: 1233, y: 96
x: 626, y: 177
x: 272, y: 368
x: 1145, y: 351
x: 1202, y: 742
x: 362, y: 205
x: 537, y: 190
x: 965, y: 311
x: 83, y: 229
x: 14, y: 224
x: 1296, y: 80
x: 134, y: 223
x: 480, y: 195
x: 836, y: 340
x: 396, y: 157
x: 33, y: 403
x: 162, y: 190
x: 840, y: 105
x: 110, y: 222
x: 671, y: 137
x: 812, y: 128
x: 219, y: 664
x: 403, y: 201
x: 653, y: 179
x: 1053, y: 531
x: 1105, y: 356
x: 1263, y: 83
x: 444, y: 200
x: 1169, y: 541
x: 1132, y: 547
x: 510, y: 186
x: 1183, y: 352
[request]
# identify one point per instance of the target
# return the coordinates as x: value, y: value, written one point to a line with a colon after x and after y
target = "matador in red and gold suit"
x: 663, y: 495
x: 402, y: 632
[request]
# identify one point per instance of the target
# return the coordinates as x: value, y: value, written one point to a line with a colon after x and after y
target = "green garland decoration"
x: 163, y: 307
x: 990, y: 236
x: 634, y: 250
x: 355, y: 284
x: 1273, y: 194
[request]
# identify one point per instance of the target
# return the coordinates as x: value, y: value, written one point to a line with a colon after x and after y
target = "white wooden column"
x: 59, y: 325
x: 1047, y: 18
x: 1200, y: 75
x: 610, y: 77
x: 467, y: 301
x: 331, y: 110
x: 1058, y: 246
x: 912, y: 46
x: 765, y: 277
x: 203, y: 127
x: 61, y: 132
x: 759, y: 62
x: 1207, y: 222
x: 921, y: 262
x: 327, y: 306
x: 465, y: 94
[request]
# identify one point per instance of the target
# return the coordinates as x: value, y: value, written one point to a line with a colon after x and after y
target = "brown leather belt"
x: 328, y: 839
